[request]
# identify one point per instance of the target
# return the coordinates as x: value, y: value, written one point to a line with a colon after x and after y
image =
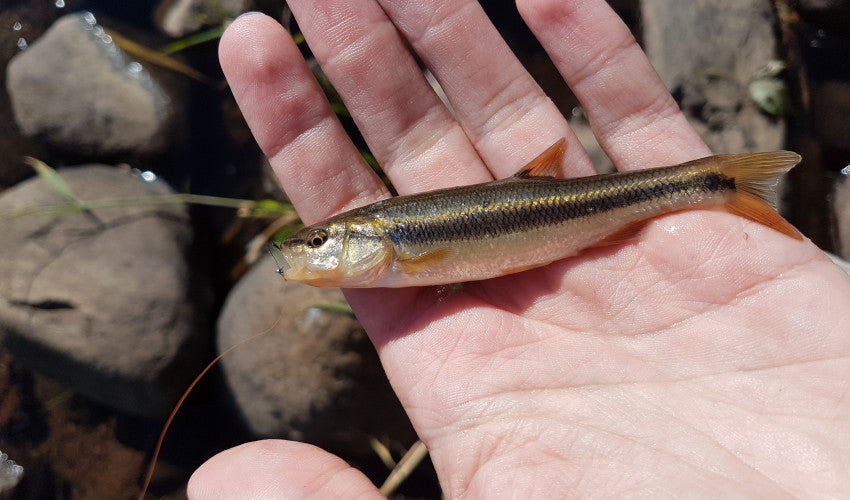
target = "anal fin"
x: 752, y: 207
x: 626, y: 234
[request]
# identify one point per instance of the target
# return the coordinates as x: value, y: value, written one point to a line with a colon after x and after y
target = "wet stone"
x: 315, y: 375
x: 102, y: 301
x: 178, y: 18
x: 707, y: 52
x: 76, y: 90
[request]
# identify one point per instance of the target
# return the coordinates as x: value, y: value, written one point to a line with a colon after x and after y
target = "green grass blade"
x: 335, y: 308
x: 156, y: 57
x: 196, y: 39
x: 53, y: 179
x: 244, y: 208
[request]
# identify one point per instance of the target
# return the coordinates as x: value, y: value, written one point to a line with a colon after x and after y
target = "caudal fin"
x: 756, y: 176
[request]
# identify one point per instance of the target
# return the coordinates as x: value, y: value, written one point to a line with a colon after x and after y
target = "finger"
x: 503, y: 110
x: 409, y: 130
x: 278, y: 469
x: 633, y: 116
x: 321, y: 170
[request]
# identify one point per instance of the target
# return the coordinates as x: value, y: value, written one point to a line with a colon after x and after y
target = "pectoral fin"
x: 413, y: 264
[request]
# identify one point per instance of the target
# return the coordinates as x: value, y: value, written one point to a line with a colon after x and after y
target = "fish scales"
x: 522, y: 205
x: 529, y: 220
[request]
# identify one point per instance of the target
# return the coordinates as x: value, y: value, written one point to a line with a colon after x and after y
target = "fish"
x: 482, y: 231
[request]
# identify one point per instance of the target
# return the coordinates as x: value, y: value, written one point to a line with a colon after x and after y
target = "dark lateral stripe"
x: 547, y: 205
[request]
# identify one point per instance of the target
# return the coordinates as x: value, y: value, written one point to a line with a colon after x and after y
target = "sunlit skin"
x: 707, y: 358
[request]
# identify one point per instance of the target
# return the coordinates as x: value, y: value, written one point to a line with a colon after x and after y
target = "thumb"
x: 276, y: 469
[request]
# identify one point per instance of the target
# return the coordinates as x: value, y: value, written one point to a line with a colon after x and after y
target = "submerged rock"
x: 100, y: 300
x: 75, y: 89
x: 179, y: 18
x: 10, y: 474
x: 708, y: 52
x: 315, y: 374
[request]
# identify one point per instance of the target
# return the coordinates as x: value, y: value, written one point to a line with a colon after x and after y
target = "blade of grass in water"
x: 245, y: 208
x: 53, y: 179
x: 195, y: 39
x: 276, y: 232
x: 335, y: 308
x: 156, y: 57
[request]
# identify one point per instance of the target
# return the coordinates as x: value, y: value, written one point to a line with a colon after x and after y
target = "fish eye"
x: 316, y: 238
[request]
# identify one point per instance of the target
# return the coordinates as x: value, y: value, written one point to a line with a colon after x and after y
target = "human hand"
x: 710, y: 356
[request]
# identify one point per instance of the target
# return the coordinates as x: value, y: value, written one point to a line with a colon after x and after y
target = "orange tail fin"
x: 756, y: 176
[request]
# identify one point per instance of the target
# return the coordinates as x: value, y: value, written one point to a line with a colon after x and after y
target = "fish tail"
x: 756, y: 176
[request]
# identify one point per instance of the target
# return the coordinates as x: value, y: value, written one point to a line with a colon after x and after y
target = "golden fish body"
x: 486, y: 230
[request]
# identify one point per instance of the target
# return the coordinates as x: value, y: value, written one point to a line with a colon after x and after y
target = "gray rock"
x: 179, y: 18
x: 75, y: 89
x: 315, y: 375
x: 10, y: 474
x: 100, y: 300
x: 707, y: 52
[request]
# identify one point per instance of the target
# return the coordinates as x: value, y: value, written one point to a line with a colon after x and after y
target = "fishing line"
x: 279, y: 268
x: 152, y: 466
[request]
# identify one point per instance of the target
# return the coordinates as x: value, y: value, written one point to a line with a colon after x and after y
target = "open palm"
x: 710, y: 356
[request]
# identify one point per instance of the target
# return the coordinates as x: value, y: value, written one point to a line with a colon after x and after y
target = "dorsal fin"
x: 547, y: 164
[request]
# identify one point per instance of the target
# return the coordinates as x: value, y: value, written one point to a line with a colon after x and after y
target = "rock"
x: 101, y: 300
x: 707, y: 52
x: 10, y: 474
x: 75, y: 89
x: 314, y: 375
x: 178, y: 18
x: 21, y: 23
